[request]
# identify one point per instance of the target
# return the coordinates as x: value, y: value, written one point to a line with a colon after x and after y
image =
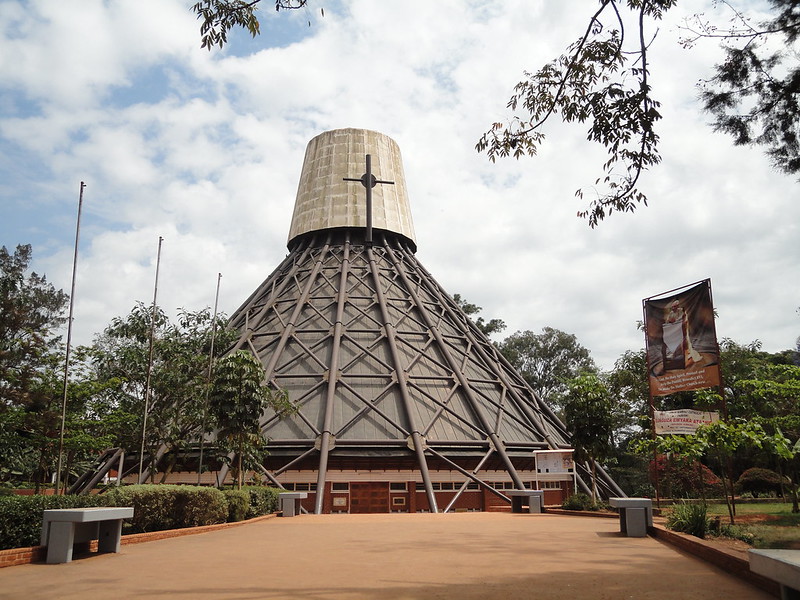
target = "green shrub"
x: 238, y: 504
x: 21, y: 516
x: 263, y: 500
x: 160, y: 507
x: 736, y: 532
x: 689, y: 518
x: 580, y: 501
x: 759, y: 482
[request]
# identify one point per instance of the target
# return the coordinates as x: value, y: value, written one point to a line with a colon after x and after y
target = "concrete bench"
x: 635, y: 515
x: 290, y: 503
x: 535, y: 500
x: 64, y: 527
x: 782, y: 566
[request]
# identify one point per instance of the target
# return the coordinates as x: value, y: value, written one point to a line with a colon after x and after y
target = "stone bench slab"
x: 64, y: 527
x: 635, y: 515
x: 290, y: 503
x: 782, y: 566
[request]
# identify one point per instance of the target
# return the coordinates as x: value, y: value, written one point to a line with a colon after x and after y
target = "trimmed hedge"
x: 263, y: 500
x: 156, y: 508
x: 238, y: 504
x: 759, y: 481
x: 21, y: 516
x: 159, y: 507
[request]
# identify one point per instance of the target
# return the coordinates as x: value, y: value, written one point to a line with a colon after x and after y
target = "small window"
x: 398, y: 501
x: 420, y: 487
x: 340, y: 487
x: 473, y: 486
x: 398, y: 487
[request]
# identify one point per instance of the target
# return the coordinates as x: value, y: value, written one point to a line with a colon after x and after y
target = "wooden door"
x: 369, y: 497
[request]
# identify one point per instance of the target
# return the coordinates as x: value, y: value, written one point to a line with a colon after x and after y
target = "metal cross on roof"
x: 369, y: 181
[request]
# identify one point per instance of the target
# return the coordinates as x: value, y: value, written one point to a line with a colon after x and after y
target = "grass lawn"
x: 768, y: 525
x: 767, y: 508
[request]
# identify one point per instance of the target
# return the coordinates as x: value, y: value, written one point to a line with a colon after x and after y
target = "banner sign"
x: 682, y: 422
x: 681, y: 341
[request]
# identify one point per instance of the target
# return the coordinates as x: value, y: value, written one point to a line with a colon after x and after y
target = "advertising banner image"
x: 681, y: 341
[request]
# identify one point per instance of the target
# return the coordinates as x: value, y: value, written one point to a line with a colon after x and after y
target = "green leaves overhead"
x: 220, y: 16
x: 601, y: 79
x: 754, y: 95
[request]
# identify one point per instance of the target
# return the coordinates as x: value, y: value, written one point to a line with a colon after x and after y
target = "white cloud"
x: 205, y: 149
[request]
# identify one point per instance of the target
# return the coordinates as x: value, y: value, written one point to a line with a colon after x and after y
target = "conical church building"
x: 403, y: 404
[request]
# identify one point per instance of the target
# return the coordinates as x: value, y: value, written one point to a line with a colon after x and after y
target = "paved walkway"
x: 453, y: 556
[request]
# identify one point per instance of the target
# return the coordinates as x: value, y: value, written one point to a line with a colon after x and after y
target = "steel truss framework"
x: 379, y: 358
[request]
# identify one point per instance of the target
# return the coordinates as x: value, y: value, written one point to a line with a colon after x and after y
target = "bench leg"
x: 516, y: 504
x: 288, y: 507
x: 109, y: 535
x: 59, y: 544
x: 534, y: 504
x: 788, y: 593
x: 623, y: 521
x: 635, y: 522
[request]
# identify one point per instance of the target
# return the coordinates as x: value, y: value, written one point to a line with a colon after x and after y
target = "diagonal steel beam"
x: 492, y: 362
x: 419, y: 447
x: 466, y: 483
x: 462, y: 379
x: 333, y: 380
x: 289, y: 330
x: 272, y: 297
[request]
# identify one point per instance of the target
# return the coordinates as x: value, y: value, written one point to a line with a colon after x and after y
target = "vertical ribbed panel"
x: 325, y: 201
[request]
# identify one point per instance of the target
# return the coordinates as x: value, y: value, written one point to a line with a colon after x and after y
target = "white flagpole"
x: 69, y: 343
x: 150, y: 362
x: 208, y: 379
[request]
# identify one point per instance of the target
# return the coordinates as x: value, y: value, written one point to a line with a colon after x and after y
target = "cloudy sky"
x: 205, y: 149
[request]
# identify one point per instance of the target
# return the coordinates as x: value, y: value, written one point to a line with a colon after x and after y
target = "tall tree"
x: 237, y: 401
x: 31, y: 313
x: 627, y: 384
x: 487, y: 327
x: 178, y: 380
x: 547, y: 360
x: 588, y: 417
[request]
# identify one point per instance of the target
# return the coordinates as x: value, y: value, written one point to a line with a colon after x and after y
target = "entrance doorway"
x: 369, y: 497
